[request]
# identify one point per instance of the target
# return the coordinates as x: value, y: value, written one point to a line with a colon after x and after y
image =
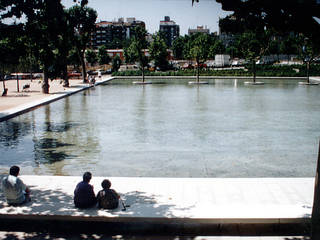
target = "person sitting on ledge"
x: 15, y: 191
x: 107, y: 198
x: 84, y: 196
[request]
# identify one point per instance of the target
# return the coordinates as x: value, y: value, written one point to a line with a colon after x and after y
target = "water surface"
x: 172, y: 130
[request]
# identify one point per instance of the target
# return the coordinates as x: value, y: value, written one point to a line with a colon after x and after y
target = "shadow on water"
x: 60, y: 127
x: 47, y: 150
x: 12, y: 131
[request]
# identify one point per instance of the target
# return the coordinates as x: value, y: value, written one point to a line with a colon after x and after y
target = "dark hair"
x: 106, y: 184
x: 87, y: 176
x: 14, y: 170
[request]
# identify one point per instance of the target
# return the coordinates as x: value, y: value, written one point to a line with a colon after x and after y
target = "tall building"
x: 170, y: 30
x: 199, y: 29
x: 108, y: 32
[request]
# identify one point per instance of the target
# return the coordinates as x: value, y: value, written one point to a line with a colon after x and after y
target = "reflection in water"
x: 216, y: 130
x: 11, y: 132
x: 47, y: 150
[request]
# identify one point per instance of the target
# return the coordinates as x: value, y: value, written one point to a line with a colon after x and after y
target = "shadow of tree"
x: 74, y: 236
x: 60, y: 202
x: 144, y: 204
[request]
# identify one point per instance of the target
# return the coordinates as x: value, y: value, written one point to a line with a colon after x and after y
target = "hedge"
x: 261, y: 70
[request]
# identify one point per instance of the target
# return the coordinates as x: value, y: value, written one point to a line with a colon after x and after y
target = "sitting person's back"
x: 15, y: 191
x: 84, y: 196
x: 107, y: 198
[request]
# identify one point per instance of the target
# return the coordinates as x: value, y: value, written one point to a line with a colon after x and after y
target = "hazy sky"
x: 206, y: 12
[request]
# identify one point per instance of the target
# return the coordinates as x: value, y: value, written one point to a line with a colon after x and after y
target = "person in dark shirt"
x: 84, y: 196
x: 107, y: 198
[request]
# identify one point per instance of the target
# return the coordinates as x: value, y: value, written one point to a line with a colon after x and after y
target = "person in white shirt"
x: 15, y: 191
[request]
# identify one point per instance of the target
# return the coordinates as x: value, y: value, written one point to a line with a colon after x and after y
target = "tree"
x: 298, y: 16
x: 82, y: 20
x: 309, y: 50
x: 116, y: 63
x: 11, y: 50
x: 177, y: 47
x: 43, y: 20
x: 158, y: 52
x: 199, y: 50
x: 73, y: 58
x: 135, y: 51
x: 216, y: 48
x: 91, y: 56
x: 103, y: 57
x: 289, y: 46
x: 253, y: 46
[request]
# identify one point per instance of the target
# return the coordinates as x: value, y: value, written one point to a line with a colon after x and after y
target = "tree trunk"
x: 17, y: 82
x: 315, y: 230
x: 3, y: 81
x: 143, y: 74
x: 65, y: 76
x: 308, y: 72
x: 5, y: 91
x: 198, y: 72
x: 45, y: 83
x: 254, y: 70
x: 83, y: 64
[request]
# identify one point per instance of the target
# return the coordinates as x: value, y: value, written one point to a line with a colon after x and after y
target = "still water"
x: 172, y: 130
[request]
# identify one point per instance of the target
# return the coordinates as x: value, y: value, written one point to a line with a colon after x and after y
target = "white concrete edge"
x: 136, y: 219
x: 207, y: 77
x: 7, y: 114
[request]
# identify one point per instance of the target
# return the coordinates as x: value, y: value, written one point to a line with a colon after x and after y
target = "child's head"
x: 106, y: 184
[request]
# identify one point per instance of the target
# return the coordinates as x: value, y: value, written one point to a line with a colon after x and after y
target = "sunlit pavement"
x: 195, y: 203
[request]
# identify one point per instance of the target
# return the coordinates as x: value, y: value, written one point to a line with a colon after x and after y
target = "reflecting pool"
x: 225, y: 129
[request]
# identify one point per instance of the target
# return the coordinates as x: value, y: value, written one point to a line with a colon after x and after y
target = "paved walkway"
x: 256, y: 200
x: 16, y: 103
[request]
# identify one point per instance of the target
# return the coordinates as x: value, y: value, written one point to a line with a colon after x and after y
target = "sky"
x: 204, y: 13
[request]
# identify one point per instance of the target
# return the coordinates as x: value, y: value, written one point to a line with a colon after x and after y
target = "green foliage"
x: 216, y: 48
x: 177, y: 47
x: 116, y: 63
x: 199, y: 49
x: 158, y: 52
x: 262, y: 70
x: 298, y: 16
x: 103, y: 57
x: 135, y: 51
x: 73, y: 57
x: 91, y: 56
x: 82, y: 20
x: 11, y: 47
x: 308, y: 47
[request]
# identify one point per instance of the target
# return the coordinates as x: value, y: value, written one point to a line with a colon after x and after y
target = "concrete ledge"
x: 5, y: 115
x: 178, y: 204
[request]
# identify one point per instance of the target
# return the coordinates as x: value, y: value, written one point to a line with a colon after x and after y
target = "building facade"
x: 107, y: 33
x: 170, y: 30
x: 199, y: 29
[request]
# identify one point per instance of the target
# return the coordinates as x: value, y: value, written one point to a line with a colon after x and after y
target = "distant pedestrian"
x: 107, y: 198
x: 15, y: 191
x: 92, y: 80
x: 84, y: 196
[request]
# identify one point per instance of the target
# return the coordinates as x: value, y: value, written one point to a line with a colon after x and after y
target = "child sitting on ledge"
x: 107, y: 198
